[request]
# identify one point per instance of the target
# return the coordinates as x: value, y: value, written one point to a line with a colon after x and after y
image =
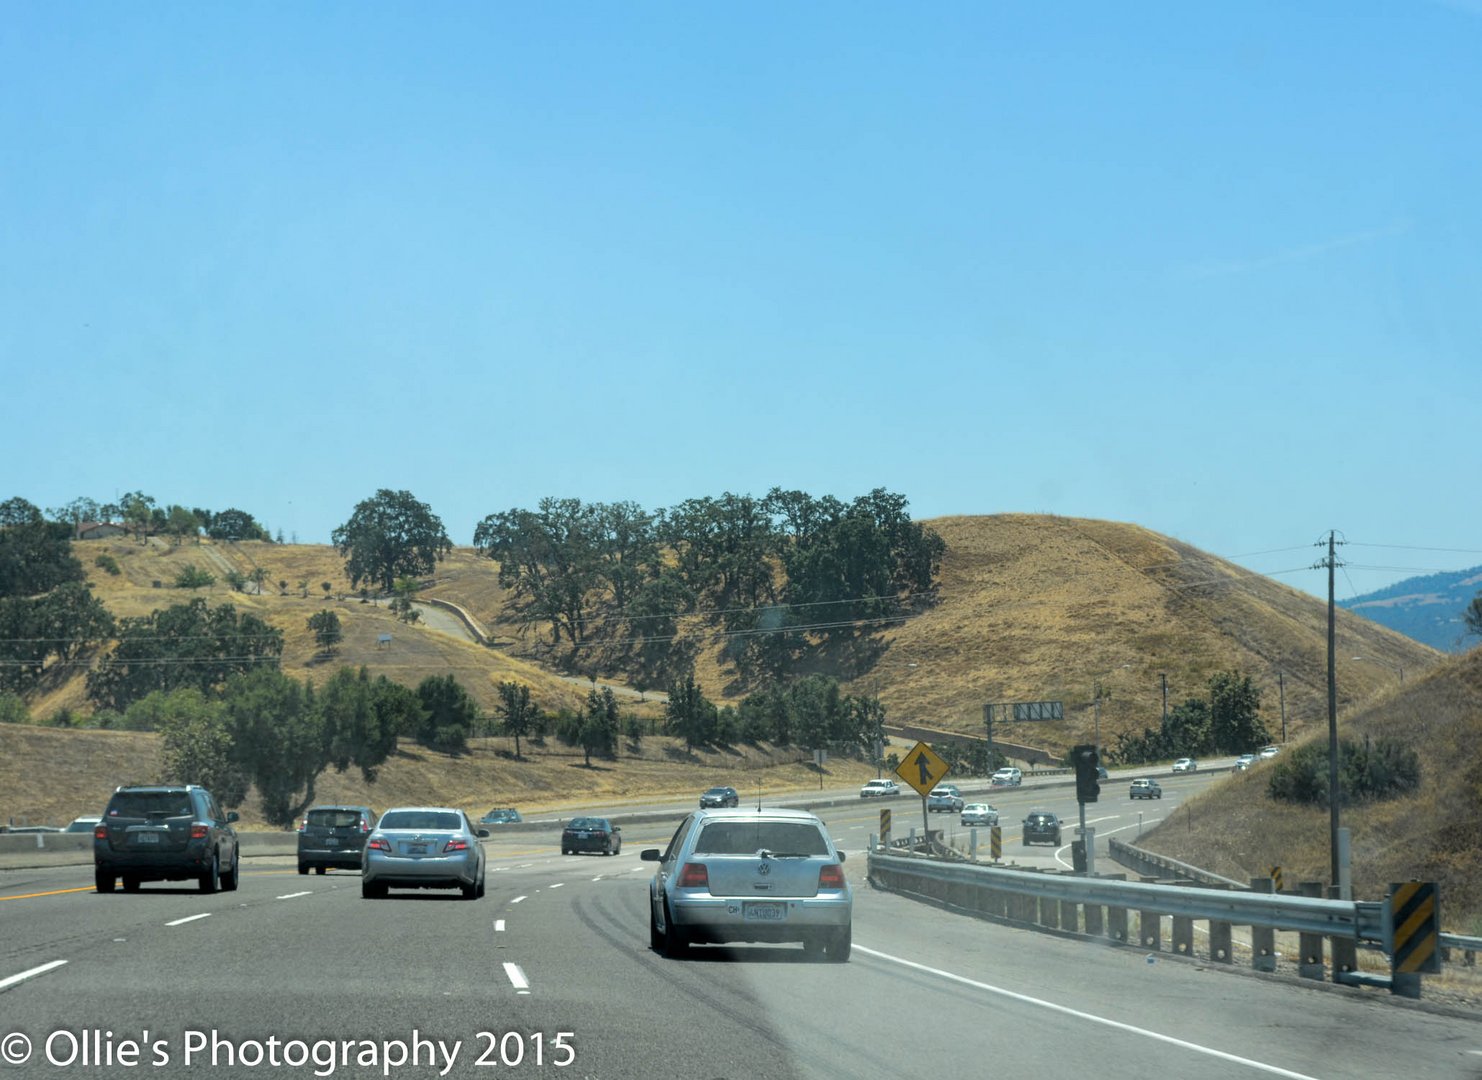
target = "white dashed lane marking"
x: 294, y: 895
x: 189, y: 918
x: 517, y: 978
x: 517, y: 899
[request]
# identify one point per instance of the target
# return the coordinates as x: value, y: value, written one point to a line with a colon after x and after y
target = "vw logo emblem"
x: 764, y: 869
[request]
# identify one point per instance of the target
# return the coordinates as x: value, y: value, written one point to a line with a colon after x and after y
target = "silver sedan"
x: 423, y: 847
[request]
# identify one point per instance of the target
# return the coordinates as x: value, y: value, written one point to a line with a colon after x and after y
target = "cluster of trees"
x: 144, y: 515
x: 1227, y: 720
x: 776, y: 575
x: 1378, y: 769
x: 47, y: 611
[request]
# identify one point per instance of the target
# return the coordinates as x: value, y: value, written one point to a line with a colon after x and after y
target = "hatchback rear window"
x: 143, y: 804
x: 749, y: 837
x: 334, y: 819
x: 420, y: 819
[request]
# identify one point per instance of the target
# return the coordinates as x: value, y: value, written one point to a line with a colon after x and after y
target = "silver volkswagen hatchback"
x: 423, y: 847
x: 750, y: 875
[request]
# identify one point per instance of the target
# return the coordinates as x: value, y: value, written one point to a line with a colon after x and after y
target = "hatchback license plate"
x: 763, y: 911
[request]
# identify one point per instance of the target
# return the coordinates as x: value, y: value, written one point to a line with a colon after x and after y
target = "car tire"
x: 130, y: 883
x: 320, y: 869
x: 482, y: 888
x: 470, y: 892
x: 840, y: 944
x: 372, y: 890
x: 676, y: 943
x: 229, y: 877
x: 210, y: 881
x: 815, y: 945
x: 303, y: 868
x: 655, y: 939
x: 103, y: 880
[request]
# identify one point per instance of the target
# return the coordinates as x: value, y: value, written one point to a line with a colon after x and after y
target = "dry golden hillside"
x: 1237, y: 830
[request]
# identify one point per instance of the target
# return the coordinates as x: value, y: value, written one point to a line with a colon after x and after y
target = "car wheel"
x: 103, y: 880
x: 372, y: 890
x: 470, y: 892
x: 481, y: 888
x: 130, y: 884
x: 655, y: 939
x: 229, y: 877
x: 565, y: 851
x: 839, y: 945
x: 676, y: 944
x: 813, y: 947
x: 320, y: 869
x: 210, y: 881
x: 303, y: 868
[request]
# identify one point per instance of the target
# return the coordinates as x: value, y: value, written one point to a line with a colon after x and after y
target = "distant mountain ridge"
x: 1428, y: 609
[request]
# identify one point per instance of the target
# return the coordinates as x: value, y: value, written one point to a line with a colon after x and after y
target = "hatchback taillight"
x: 694, y: 876
x: 455, y: 845
x: 198, y: 832
x: 831, y: 876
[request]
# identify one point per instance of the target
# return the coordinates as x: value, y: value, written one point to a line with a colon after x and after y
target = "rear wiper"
x: 764, y: 853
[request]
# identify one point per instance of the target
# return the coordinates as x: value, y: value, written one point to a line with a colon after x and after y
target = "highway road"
x: 553, y: 967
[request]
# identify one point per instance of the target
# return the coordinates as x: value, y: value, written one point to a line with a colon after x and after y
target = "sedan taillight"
x: 378, y: 843
x: 455, y: 845
x: 694, y: 876
x: 831, y: 876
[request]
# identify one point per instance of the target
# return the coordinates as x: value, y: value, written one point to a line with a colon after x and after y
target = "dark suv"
x: 165, y: 832
x: 1041, y: 826
x: 333, y: 836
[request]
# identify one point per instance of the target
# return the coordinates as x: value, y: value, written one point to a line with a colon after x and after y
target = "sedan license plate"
x: 763, y: 910
x: 416, y: 849
x: 147, y: 837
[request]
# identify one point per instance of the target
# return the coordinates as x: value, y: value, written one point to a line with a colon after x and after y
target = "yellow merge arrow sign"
x: 922, y: 769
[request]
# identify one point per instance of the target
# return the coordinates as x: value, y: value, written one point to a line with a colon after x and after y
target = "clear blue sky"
x: 1213, y: 269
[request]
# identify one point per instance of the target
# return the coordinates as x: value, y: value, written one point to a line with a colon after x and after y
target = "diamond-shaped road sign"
x: 922, y: 769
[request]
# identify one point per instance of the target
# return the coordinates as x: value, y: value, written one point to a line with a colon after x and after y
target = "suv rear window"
x: 334, y: 819
x: 143, y: 804
x: 749, y: 837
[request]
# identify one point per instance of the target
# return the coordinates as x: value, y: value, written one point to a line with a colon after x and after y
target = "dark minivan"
x: 165, y: 832
x: 333, y: 836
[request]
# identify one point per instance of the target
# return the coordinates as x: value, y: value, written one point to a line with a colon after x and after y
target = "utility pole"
x: 1281, y: 685
x: 1331, y: 562
x: 1163, y: 675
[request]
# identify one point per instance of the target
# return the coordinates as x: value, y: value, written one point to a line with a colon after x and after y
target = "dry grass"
x: 1237, y: 830
x: 84, y: 766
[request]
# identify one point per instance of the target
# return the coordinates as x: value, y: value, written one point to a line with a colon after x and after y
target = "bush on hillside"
x: 1381, y: 769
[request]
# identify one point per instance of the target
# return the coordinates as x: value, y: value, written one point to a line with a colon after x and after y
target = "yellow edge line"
x: 54, y: 892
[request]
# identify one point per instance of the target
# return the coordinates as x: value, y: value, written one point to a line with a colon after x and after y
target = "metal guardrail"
x: 1277, y: 912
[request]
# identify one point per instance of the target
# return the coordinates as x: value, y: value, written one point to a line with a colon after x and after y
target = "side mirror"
x: 649, y: 854
x: 231, y: 816
x: 841, y: 856
x: 483, y: 834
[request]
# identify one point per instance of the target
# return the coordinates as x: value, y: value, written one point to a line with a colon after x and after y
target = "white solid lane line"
x: 31, y: 974
x: 189, y: 918
x: 517, y: 978
x: 1091, y: 1017
x: 294, y: 895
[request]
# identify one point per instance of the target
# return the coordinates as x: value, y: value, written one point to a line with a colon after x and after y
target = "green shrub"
x: 108, y: 564
x: 193, y: 577
x: 1381, y: 769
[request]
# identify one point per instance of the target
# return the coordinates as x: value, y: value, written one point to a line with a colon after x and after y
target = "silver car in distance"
x: 750, y: 875
x: 423, y: 847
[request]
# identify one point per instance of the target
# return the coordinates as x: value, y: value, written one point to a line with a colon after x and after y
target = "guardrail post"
x: 1262, y: 938
x: 1094, y: 925
x: 1310, y: 962
x: 1150, y: 924
x: 1345, y: 949
x: 1183, y: 935
x: 1070, y: 916
x: 1220, y: 943
x: 1049, y: 913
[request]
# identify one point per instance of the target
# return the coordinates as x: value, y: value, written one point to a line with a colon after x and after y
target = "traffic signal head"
x: 1087, y: 777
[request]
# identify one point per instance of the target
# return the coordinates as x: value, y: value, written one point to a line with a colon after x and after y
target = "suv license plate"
x: 763, y: 911
x: 330, y: 841
x: 147, y: 837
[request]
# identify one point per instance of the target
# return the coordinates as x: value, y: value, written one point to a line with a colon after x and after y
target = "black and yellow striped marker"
x: 995, y: 843
x: 1415, y: 916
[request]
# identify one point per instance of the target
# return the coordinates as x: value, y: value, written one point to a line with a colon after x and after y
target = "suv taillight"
x: 831, y: 876
x: 198, y: 832
x: 100, y: 831
x: 694, y: 876
x: 303, y: 826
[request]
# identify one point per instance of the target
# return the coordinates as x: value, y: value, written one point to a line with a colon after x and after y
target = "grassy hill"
x: 1030, y: 608
x: 1237, y: 830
